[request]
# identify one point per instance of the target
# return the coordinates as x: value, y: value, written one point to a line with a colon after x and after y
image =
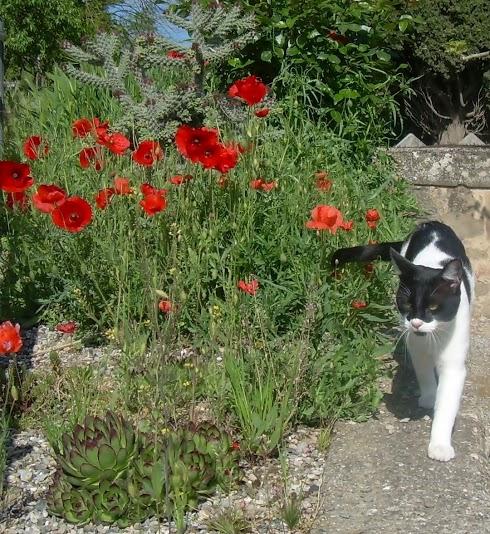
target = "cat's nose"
x: 416, y: 323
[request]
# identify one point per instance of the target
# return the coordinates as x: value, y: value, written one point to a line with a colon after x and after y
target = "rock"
x: 25, y: 475
x: 410, y: 141
x: 471, y: 140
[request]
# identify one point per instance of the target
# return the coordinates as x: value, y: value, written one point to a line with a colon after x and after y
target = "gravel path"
x: 378, y: 475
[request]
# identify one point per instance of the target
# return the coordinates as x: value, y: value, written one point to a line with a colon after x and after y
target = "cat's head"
x: 427, y: 297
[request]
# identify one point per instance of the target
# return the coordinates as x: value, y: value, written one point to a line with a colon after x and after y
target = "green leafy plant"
x: 346, y: 56
x: 100, y: 449
x: 35, y: 30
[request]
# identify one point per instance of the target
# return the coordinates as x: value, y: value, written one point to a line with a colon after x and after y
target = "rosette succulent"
x: 73, y: 504
x: 109, y: 474
x: 147, y: 482
x: 100, y: 449
x: 112, y: 503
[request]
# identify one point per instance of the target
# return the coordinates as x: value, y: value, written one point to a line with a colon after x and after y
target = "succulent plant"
x: 110, y: 475
x: 112, y: 503
x: 100, y: 449
x: 73, y: 504
x: 147, y: 481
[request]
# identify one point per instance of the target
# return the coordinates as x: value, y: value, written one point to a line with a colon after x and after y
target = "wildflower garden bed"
x: 191, y: 270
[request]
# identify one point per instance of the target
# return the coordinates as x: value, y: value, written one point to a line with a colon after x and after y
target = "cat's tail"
x: 362, y: 253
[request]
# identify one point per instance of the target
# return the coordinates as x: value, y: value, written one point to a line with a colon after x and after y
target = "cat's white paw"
x: 442, y: 453
x: 427, y: 401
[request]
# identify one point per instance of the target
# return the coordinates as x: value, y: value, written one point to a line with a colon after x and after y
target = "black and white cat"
x: 434, y: 299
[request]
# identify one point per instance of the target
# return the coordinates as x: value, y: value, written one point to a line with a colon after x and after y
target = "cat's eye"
x: 433, y: 307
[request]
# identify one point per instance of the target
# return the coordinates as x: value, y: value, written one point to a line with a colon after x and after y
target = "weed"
x: 229, y: 521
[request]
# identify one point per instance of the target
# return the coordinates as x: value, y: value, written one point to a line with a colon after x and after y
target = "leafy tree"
x: 449, y: 54
x: 36, y: 30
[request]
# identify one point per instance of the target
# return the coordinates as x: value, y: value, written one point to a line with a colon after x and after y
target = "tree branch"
x: 479, y: 55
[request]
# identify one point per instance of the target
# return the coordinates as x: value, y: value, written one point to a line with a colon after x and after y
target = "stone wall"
x: 445, y: 166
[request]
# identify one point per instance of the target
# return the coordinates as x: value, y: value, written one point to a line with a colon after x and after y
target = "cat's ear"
x: 453, y: 273
x: 400, y: 263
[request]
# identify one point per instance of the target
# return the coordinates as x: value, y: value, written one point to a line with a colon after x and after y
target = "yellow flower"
x: 110, y: 334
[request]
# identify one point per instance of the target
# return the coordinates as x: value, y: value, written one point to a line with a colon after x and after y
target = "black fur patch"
x: 364, y: 253
x: 446, y: 240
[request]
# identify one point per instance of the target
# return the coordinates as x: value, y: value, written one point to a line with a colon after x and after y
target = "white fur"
x: 443, y: 350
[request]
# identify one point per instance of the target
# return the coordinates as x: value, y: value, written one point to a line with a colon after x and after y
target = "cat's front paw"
x: 427, y: 401
x: 442, y: 453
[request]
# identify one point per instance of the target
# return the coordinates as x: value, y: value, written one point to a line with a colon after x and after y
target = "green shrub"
x: 346, y: 53
x: 35, y: 30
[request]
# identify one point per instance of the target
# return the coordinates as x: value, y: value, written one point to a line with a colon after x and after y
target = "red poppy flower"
x: 368, y: 269
x: 257, y: 183
x: 342, y: 39
x: 117, y: 143
x: 249, y: 89
x: 225, y: 158
x: 210, y: 156
x: 165, y: 306
x: 34, y: 147
x: 99, y: 127
x: 73, y: 215
x: 175, y: 54
x: 81, y: 127
x: 192, y: 142
x: 372, y: 218
x: 104, y: 196
x: 249, y: 287
x: 261, y: 185
x: 10, y: 340
x: 68, y: 327
x: 323, y: 183
x: 347, y: 225
x: 269, y: 186
x: 121, y: 186
x: 91, y: 156
x: 325, y: 218
x: 153, y: 203
x: 235, y: 446
x: 14, y: 177
x: 147, y: 153
x: 47, y: 197
x: 17, y: 200
x: 148, y: 189
x: 358, y: 304
x: 261, y: 113
x: 180, y: 179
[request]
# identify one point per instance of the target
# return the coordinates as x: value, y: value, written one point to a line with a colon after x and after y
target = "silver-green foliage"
x: 134, y: 71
